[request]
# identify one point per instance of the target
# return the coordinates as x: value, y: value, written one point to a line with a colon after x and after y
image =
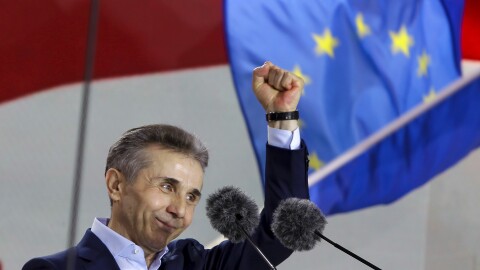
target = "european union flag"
x: 365, y: 63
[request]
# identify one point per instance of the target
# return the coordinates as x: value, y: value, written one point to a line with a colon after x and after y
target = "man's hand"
x: 278, y: 91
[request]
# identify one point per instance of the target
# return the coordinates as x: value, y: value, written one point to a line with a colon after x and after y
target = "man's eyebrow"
x: 197, y: 193
x: 176, y: 182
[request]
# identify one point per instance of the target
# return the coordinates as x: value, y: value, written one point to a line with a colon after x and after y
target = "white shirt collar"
x: 120, y: 246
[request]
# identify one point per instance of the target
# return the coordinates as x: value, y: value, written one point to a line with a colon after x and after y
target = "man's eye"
x: 191, y: 198
x: 167, y: 187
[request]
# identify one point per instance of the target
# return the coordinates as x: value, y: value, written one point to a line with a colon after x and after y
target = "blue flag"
x: 364, y: 63
x: 407, y: 158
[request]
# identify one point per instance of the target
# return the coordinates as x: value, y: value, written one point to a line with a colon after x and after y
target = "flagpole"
x: 88, y: 74
x: 400, y: 122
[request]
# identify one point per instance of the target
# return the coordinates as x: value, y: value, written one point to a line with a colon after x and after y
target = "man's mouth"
x: 166, y: 225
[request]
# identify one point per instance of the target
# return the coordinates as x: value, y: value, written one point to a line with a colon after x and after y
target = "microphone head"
x: 230, y: 210
x: 295, y: 222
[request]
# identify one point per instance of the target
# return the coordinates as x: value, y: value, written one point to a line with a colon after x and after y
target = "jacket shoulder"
x: 54, y: 261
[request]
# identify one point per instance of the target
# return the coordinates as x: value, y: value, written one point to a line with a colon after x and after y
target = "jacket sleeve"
x: 286, y: 176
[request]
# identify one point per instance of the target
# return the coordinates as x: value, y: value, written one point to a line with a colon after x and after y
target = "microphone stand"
x: 347, y: 251
x: 238, y: 217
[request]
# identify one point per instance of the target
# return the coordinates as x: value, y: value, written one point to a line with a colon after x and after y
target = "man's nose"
x: 177, y: 207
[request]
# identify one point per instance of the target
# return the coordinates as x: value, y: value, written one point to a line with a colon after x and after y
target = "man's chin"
x: 157, y: 245
x: 161, y: 242
x: 173, y: 237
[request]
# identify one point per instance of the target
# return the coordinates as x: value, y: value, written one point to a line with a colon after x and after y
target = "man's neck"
x: 150, y: 255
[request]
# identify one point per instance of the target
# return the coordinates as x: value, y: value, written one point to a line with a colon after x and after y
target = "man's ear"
x: 115, y: 183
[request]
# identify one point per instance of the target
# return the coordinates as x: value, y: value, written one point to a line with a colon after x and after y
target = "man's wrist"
x: 283, y: 120
x: 284, y: 124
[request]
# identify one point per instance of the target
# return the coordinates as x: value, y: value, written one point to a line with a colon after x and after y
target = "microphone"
x: 235, y: 215
x: 299, y: 223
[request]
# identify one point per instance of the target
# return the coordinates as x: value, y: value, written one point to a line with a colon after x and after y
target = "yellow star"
x: 315, y: 162
x: 423, y: 62
x: 401, y: 41
x: 326, y: 43
x: 430, y: 97
x: 362, y: 28
x: 297, y: 71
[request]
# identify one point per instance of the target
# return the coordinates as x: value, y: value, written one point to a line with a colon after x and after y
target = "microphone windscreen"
x: 229, y: 210
x: 295, y: 222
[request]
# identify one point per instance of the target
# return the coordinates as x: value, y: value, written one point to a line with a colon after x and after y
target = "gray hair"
x: 128, y: 156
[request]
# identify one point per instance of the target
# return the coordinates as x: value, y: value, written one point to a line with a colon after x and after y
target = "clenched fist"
x: 278, y: 90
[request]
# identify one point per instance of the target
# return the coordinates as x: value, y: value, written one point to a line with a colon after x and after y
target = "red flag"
x: 471, y: 30
x: 44, y: 42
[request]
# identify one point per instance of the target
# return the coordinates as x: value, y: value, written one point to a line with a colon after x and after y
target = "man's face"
x: 159, y: 205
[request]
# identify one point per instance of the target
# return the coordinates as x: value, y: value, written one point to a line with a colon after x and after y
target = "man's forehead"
x: 155, y: 151
x: 167, y: 163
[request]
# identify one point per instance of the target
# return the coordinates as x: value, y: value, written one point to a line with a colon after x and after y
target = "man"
x: 154, y: 178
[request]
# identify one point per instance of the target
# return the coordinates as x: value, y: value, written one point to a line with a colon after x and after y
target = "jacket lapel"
x: 93, y: 254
